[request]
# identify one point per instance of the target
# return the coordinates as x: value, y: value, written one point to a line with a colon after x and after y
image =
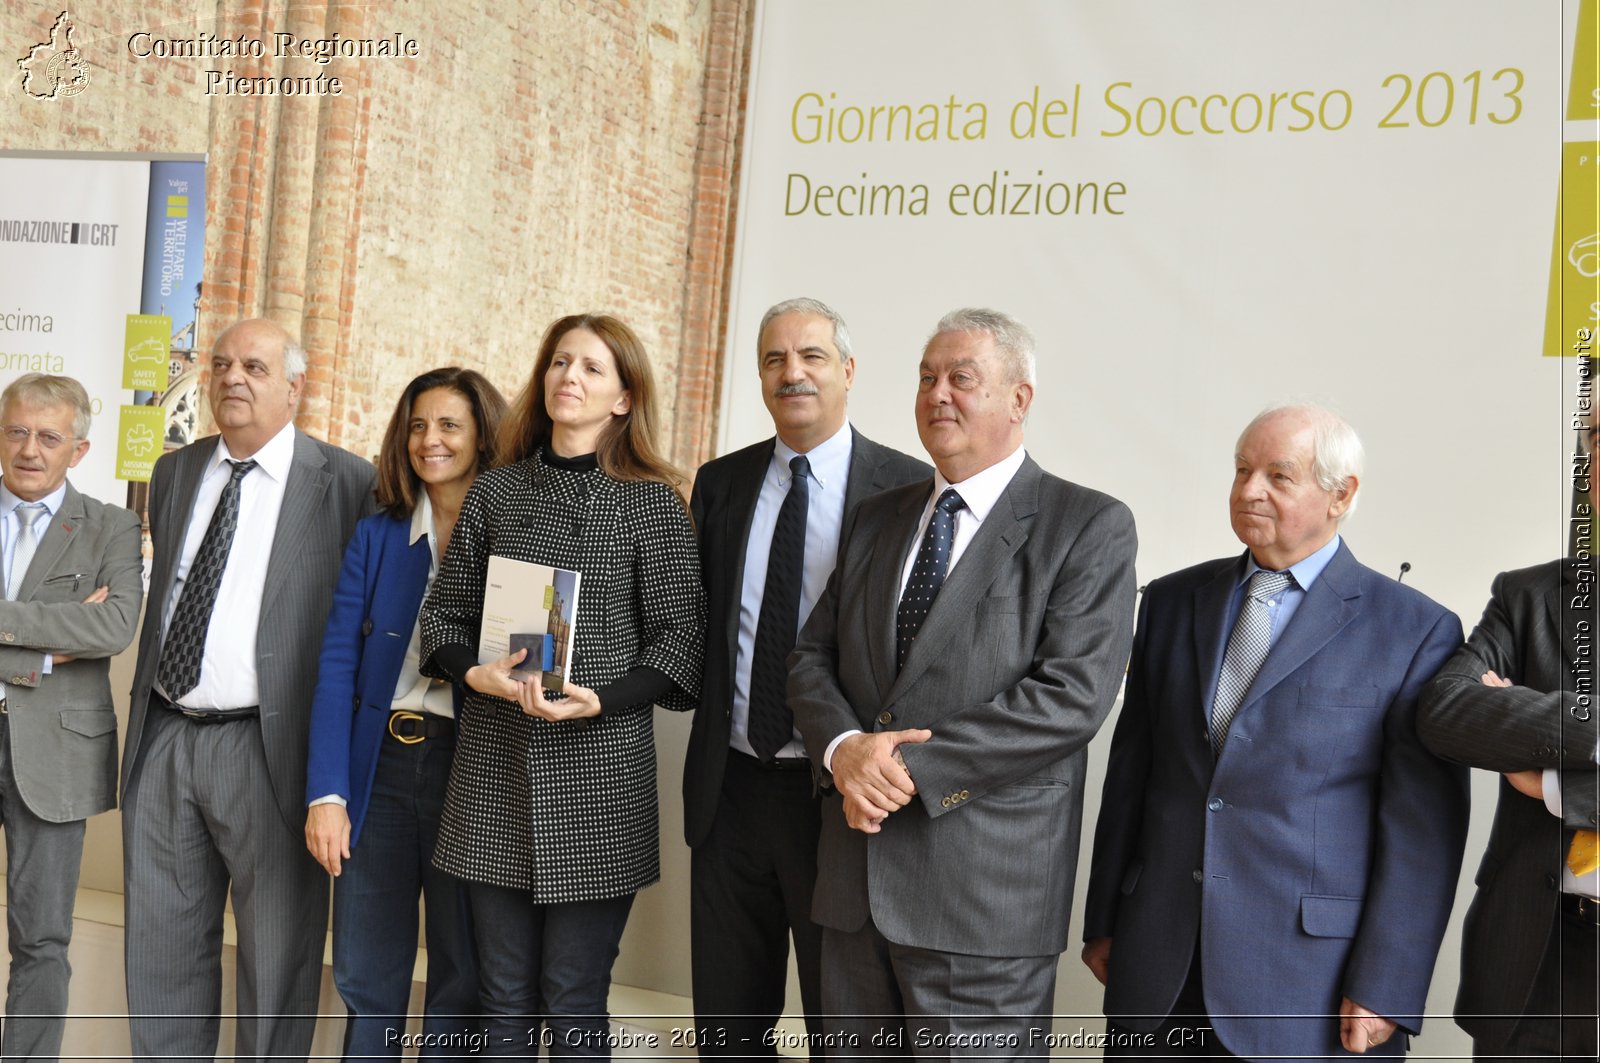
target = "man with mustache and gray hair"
x: 769, y: 518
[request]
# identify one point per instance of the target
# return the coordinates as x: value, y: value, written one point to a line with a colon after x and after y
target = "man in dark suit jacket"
x: 249, y: 529
x: 1276, y: 854
x: 752, y: 819
x: 72, y: 581
x: 1511, y: 700
x: 967, y: 648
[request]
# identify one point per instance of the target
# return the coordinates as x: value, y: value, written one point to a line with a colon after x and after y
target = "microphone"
x: 1405, y: 566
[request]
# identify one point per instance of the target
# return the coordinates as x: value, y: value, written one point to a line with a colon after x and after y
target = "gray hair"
x: 1012, y: 340
x: 1336, y: 451
x: 803, y: 305
x: 42, y: 389
x: 294, y: 359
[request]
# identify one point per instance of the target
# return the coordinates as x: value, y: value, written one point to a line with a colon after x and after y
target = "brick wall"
x: 537, y: 158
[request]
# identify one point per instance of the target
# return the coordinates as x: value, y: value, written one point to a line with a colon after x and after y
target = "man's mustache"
x: 795, y: 389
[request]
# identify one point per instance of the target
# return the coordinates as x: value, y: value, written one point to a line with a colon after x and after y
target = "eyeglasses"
x: 17, y: 435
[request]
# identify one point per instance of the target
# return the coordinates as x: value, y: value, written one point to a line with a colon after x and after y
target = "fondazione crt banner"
x: 85, y: 242
x: 1199, y: 209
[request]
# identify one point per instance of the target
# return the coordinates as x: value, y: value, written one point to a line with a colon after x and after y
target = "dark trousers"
x: 883, y: 999
x: 42, y: 862
x: 1560, y: 1018
x: 545, y: 971
x: 375, y: 914
x: 751, y: 882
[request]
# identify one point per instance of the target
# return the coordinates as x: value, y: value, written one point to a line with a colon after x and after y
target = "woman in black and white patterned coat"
x: 551, y: 811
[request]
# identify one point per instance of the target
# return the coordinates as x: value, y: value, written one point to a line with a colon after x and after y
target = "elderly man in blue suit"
x: 1277, y: 853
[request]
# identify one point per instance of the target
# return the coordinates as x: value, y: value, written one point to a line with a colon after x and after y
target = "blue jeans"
x: 549, y: 964
x: 375, y: 914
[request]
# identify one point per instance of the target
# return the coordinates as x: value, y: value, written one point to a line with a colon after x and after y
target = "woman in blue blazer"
x: 383, y: 736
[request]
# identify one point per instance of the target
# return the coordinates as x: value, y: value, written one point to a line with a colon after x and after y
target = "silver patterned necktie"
x: 28, y: 514
x: 1247, y: 651
x: 178, y: 670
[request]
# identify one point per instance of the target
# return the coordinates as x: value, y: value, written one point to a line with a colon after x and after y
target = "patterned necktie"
x: 179, y: 669
x: 771, y: 724
x: 927, y: 573
x: 1247, y: 649
x: 28, y: 514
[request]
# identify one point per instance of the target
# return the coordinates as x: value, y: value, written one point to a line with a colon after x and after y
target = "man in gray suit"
x: 71, y: 575
x: 968, y: 646
x: 249, y: 530
x: 1519, y: 699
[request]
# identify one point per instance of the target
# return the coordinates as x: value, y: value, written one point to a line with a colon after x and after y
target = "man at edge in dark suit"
x: 249, y: 529
x: 1519, y: 699
x: 750, y: 811
x: 967, y: 648
x: 1276, y: 854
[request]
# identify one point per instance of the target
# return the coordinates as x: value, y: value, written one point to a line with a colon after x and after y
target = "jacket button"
x: 946, y: 802
x: 17, y: 680
x: 965, y: 794
x: 1197, y: 876
x: 1215, y: 804
x: 9, y: 637
x: 886, y: 717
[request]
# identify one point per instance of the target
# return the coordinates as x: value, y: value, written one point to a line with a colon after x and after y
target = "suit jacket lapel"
x: 302, y: 497
x: 999, y: 538
x: 890, y: 545
x: 1211, y: 633
x: 192, y: 462
x: 1330, y: 604
x: 744, y: 487
x: 63, y: 526
x: 1554, y: 598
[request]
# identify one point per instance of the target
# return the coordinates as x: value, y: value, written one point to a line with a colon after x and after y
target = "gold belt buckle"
x: 409, y: 740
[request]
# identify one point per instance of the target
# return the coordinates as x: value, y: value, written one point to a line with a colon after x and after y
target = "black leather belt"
x: 409, y: 728
x: 206, y: 716
x: 1583, y: 908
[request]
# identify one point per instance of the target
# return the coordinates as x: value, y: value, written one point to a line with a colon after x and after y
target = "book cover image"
x: 534, y: 608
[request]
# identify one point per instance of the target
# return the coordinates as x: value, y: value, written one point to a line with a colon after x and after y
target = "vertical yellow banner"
x: 1583, y: 91
x: 139, y: 432
x: 145, y: 350
x: 1574, y: 300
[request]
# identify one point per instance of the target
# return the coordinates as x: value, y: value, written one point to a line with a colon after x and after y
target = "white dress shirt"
x: 228, y: 669
x: 979, y: 493
x: 413, y: 691
x: 830, y: 473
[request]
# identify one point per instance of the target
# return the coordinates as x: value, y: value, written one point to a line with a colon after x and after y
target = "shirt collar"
x: 1305, y: 571
x: 274, y: 458
x: 830, y: 459
x: 982, y: 490
x: 421, y: 517
x: 52, y: 501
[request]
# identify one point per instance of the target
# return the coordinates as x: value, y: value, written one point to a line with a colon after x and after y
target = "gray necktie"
x: 28, y: 514
x: 1247, y: 651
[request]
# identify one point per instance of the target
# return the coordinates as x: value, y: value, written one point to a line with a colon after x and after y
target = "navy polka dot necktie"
x: 927, y: 573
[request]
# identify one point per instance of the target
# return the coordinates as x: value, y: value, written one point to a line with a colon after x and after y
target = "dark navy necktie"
x: 771, y: 724
x: 927, y: 573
